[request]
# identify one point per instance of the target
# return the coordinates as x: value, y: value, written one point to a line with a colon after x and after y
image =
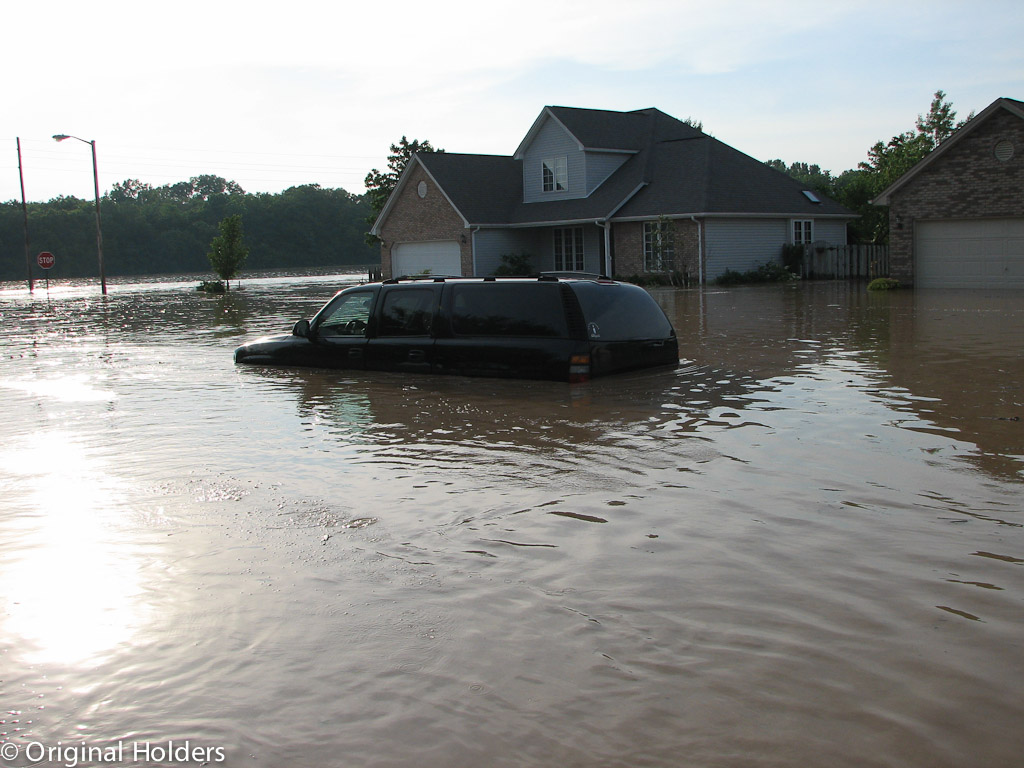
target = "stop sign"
x: 45, y: 260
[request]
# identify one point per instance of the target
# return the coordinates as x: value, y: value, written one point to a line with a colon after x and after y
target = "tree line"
x: 887, y: 161
x: 168, y: 229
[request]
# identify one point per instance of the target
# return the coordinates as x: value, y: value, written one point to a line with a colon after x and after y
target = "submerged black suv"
x: 546, y: 327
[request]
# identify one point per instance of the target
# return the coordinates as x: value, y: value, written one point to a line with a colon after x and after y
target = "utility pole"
x: 24, y: 213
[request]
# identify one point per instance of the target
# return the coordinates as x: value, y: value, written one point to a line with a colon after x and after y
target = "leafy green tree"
x: 150, y: 231
x: 207, y: 185
x: 940, y: 121
x: 515, y: 265
x: 128, y: 190
x: 227, y: 251
x: 813, y: 176
x: 887, y: 161
x: 380, y: 185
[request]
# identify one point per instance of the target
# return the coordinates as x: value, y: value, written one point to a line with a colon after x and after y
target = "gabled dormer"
x: 559, y: 162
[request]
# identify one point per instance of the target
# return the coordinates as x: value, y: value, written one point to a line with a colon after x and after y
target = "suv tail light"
x: 579, y: 369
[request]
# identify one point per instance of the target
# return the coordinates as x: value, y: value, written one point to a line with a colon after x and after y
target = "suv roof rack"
x: 545, y: 276
x: 429, y: 278
x: 578, y: 275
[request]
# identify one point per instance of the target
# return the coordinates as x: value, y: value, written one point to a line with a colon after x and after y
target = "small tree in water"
x: 227, y: 252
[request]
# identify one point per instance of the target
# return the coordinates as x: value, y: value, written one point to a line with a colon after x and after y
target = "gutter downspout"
x: 607, y: 246
x: 472, y: 246
x: 700, y: 253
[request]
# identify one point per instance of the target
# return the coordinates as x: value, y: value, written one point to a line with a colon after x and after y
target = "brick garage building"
x: 431, y: 236
x: 956, y: 219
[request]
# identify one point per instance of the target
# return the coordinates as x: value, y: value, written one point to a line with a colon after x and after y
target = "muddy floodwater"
x: 802, y: 547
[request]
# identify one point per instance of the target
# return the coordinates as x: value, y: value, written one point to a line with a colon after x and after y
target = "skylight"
x: 811, y: 196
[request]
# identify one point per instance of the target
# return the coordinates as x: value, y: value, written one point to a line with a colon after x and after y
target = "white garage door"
x: 437, y: 257
x: 987, y: 253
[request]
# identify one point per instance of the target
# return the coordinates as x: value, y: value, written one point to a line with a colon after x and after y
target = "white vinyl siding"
x: 978, y: 253
x: 831, y: 231
x: 489, y: 245
x: 601, y: 165
x: 743, y: 244
x: 552, y: 141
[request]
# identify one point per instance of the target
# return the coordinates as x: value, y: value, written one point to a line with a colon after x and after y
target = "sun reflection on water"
x: 71, y: 576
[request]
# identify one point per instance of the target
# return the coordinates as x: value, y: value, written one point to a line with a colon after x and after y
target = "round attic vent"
x: 1003, y: 150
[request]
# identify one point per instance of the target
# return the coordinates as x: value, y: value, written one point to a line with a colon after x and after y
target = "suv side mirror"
x: 301, y: 328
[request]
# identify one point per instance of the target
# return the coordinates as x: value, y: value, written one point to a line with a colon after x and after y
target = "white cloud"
x: 316, y: 91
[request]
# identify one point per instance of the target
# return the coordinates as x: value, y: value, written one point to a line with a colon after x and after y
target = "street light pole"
x: 96, y: 185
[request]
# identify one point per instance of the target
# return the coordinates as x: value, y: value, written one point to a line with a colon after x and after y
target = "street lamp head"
x: 61, y: 137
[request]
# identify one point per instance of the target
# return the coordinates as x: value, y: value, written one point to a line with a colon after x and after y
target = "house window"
x: 659, y: 247
x: 803, y: 232
x: 569, y: 249
x: 554, y: 174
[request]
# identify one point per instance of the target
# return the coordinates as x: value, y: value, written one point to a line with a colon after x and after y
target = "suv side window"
x: 407, y: 312
x: 347, y: 315
x: 513, y: 309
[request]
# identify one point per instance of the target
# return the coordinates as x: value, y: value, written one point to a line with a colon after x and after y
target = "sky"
x: 315, y: 92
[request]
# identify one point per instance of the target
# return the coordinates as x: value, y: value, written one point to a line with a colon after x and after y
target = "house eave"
x: 738, y: 215
x: 1008, y: 104
x: 652, y: 217
x: 403, y: 180
x: 545, y: 114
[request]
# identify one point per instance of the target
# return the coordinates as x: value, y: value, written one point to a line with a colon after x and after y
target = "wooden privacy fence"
x: 845, y: 261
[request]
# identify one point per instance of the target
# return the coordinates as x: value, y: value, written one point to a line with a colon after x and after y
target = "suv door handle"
x: 417, y: 356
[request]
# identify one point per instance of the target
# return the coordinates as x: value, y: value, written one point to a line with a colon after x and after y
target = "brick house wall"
x: 628, y: 248
x: 417, y: 219
x: 968, y: 181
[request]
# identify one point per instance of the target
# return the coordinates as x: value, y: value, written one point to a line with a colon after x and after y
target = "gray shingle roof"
x: 604, y: 129
x: 675, y: 170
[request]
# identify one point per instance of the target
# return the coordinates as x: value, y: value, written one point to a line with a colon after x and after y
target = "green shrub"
x: 730, y: 277
x: 211, y: 286
x: 514, y: 265
x: 883, y: 284
x: 657, y: 279
x: 770, y: 272
x: 793, y: 257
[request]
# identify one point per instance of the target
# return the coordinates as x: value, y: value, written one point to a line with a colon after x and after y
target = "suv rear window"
x: 511, y: 309
x: 620, y: 312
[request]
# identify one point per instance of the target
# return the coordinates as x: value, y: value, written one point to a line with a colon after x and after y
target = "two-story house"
x: 588, y: 190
